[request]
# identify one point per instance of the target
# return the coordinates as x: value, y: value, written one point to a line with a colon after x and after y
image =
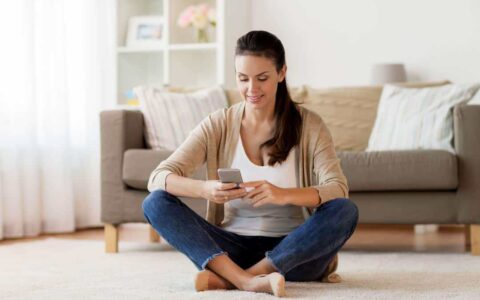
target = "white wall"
x: 237, y: 23
x: 331, y: 43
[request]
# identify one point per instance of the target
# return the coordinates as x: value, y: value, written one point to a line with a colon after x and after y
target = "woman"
x: 288, y: 162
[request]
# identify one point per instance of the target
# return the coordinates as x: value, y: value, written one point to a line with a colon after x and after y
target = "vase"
x: 201, y: 35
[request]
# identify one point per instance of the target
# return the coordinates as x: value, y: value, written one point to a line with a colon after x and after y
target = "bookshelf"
x: 175, y: 60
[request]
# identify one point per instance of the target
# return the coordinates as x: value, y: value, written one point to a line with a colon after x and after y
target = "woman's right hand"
x: 215, y: 191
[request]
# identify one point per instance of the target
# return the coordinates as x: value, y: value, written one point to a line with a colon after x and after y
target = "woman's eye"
x: 259, y: 79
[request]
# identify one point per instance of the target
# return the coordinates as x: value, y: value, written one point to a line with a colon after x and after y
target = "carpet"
x: 77, y: 269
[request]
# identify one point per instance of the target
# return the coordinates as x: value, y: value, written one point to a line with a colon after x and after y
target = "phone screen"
x: 228, y: 175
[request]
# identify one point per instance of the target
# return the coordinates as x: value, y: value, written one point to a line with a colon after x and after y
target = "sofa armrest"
x: 119, y: 130
x: 466, y: 120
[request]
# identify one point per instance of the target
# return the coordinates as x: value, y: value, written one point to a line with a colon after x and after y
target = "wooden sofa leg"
x: 475, y: 238
x: 468, y: 240
x: 111, y: 238
x: 154, y: 236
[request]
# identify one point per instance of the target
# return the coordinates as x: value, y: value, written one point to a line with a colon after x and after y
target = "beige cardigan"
x: 214, y: 140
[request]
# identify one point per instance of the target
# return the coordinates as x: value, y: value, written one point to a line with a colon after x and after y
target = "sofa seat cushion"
x: 139, y: 163
x: 366, y: 171
x: 413, y: 170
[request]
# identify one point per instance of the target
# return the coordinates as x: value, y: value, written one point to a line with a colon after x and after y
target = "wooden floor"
x: 384, y: 238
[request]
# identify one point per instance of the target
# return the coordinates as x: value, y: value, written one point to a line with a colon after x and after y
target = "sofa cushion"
x: 366, y: 171
x: 349, y: 112
x: 417, y: 118
x: 139, y: 163
x: 170, y: 117
x: 400, y: 170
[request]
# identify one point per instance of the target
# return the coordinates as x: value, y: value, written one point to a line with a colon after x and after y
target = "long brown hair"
x: 288, y: 119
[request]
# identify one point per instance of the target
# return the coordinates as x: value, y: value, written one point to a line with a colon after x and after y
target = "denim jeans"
x: 302, y: 255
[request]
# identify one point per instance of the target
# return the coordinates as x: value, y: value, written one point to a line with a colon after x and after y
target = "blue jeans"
x: 302, y: 255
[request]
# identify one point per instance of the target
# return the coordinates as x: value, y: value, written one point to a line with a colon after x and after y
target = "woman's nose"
x: 252, y: 86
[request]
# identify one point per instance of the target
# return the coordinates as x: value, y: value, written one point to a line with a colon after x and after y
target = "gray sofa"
x: 389, y: 187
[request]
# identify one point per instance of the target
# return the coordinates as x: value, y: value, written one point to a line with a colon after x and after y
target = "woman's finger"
x: 252, y: 183
x: 258, y: 197
x: 237, y: 193
x: 226, y: 186
x: 260, y: 202
x: 222, y: 198
x: 254, y: 192
x: 229, y: 193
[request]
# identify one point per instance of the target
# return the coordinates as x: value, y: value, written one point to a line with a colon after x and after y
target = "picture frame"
x: 145, y: 31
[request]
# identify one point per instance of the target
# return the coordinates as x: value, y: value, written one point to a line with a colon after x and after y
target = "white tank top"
x: 266, y: 220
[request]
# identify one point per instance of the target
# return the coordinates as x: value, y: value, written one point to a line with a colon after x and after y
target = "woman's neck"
x: 256, y: 117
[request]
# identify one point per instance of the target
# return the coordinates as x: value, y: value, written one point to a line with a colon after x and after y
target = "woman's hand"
x: 218, y: 192
x: 264, y: 192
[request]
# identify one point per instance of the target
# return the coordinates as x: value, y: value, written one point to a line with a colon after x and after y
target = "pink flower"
x: 203, y: 8
x: 183, y: 21
x: 186, y: 16
x: 198, y: 16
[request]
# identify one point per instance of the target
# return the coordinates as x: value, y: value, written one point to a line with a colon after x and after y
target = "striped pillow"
x: 169, y: 117
x: 412, y: 118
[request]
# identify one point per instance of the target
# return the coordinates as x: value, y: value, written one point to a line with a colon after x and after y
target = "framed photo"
x: 145, y: 31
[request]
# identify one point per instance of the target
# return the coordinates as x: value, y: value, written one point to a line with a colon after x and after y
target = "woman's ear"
x: 282, y: 73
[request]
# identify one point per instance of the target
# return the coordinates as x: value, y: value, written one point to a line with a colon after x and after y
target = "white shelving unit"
x: 180, y: 60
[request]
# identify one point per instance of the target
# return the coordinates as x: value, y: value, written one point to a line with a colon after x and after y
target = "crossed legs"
x: 303, y: 255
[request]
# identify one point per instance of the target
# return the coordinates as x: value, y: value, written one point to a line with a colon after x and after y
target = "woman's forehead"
x: 253, y: 65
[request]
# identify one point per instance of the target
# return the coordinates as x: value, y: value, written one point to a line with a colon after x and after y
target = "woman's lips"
x: 254, y: 98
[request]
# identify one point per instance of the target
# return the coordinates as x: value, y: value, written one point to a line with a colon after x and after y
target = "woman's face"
x: 257, y: 80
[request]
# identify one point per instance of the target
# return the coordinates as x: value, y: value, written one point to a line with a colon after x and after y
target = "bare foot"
x: 333, y: 278
x: 208, y: 280
x: 273, y: 283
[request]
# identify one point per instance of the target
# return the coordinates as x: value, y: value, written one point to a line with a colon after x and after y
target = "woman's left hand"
x: 264, y: 192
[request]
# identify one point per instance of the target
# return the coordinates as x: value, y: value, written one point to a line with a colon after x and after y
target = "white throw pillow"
x: 475, y: 99
x: 169, y: 117
x: 417, y: 118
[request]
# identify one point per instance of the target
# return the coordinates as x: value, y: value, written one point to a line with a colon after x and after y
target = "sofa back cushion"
x: 350, y: 112
x: 417, y: 118
x: 171, y: 116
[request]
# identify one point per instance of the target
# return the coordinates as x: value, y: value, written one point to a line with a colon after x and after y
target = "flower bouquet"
x: 200, y: 17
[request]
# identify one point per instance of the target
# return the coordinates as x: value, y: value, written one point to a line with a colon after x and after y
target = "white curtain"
x: 56, y: 73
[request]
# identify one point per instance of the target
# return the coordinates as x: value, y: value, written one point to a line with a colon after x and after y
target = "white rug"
x: 75, y: 269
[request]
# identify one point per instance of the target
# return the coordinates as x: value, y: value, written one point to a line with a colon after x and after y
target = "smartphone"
x: 228, y: 175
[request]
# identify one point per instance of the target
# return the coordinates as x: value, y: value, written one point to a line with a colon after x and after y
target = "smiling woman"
x: 52, y: 88
x: 256, y: 240
x: 261, y: 79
